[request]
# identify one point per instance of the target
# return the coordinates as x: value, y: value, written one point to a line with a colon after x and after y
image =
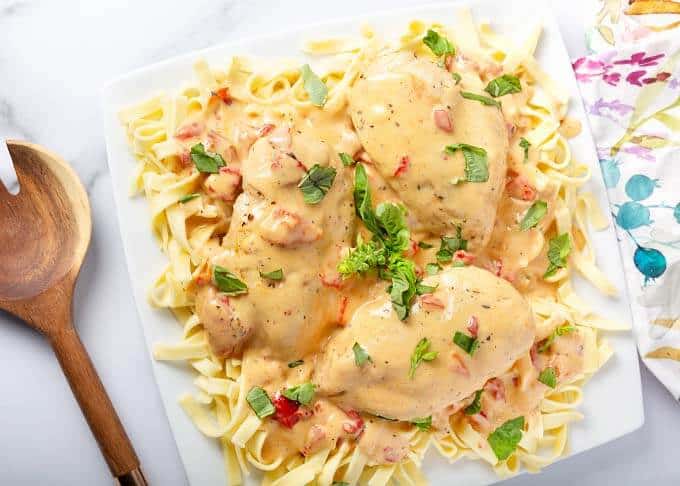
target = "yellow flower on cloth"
x: 632, y: 98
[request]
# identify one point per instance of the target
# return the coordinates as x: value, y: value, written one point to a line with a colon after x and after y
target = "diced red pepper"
x: 473, y: 326
x: 431, y: 302
x: 496, y: 388
x: 286, y: 411
x: 403, y: 166
x: 341, y: 311
x: 464, y: 256
x: 224, y: 95
x: 356, y: 425
x: 265, y: 129
x: 518, y: 187
x: 189, y: 131
x: 443, y: 120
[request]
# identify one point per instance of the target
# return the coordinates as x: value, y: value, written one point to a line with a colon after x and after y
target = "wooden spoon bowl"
x: 45, y: 232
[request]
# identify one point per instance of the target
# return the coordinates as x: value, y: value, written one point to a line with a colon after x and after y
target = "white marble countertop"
x: 54, y: 59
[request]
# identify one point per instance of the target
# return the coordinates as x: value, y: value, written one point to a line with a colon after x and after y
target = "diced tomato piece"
x: 473, y: 326
x: 464, y: 256
x: 431, y: 302
x: 286, y: 411
x: 448, y: 62
x: 356, y: 425
x: 519, y: 188
x: 191, y: 130
x: 443, y: 120
x: 495, y: 267
x: 224, y: 95
x: 265, y: 129
x: 403, y: 166
x: 334, y: 281
x: 496, y: 388
x: 458, y: 365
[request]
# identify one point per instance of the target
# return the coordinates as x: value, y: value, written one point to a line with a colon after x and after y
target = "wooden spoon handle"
x: 96, y: 406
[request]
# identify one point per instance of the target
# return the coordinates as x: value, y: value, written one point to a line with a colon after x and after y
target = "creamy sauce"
x: 401, y: 113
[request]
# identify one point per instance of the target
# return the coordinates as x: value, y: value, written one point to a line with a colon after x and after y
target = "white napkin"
x: 632, y: 97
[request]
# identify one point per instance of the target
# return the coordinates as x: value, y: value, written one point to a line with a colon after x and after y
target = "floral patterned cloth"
x: 632, y: 98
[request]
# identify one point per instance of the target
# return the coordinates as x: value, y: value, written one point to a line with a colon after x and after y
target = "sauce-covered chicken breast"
x: 467, y: 300
x: 272, y: 228
x: 406, y: 110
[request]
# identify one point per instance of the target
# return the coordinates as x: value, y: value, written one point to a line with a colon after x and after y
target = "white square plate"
x: 613, y: 398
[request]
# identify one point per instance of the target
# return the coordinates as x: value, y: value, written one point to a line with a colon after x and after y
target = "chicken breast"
x: 469, y: 300
x: 406, y: 110
x: 273, y: 228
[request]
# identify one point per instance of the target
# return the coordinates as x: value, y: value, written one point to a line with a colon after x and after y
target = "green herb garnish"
x: 424, y: 289
x: 315, y: 88
x: 467, y: 343
x: 420, y: 354
x: 450, y: 245
x: 205, y: 161
x: 476, y: 405
x: 361, y: 357
x: 438, y: 44
x: 259, y: 401
x: 346, y: 159
x: 506, y: 84
x: 303, y: 394
x: 559, y: 248
x: 273, y: 275
x: 534, y: 214
x: 188, y: 197
x: 476, y: 164
x: 424, y: 424
x: 485, y: 100
x: 562, y: 330
x: 296, y: 363
x: 456, y: 77
x: 525, y: 144
x: 316, y: 183
x: 548, y: 377
x: 227, y: 282
x: 424, y: 245
x: 363, y: 258
x: 432, y: 268
x: 504, y: 439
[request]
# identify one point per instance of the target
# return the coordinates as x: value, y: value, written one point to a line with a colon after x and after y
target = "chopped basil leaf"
x: 505, y: 438
x: 259, y: 401
x: 432, y: 268
x: 450, y: 245
x: 533, y: 215
x: 424, y: 245
x: 456, y: 77
x: 424, y: 289
x: 506, y: 84
x: 362, y: 199
x: 403, y: 288
x: 438, y: 44
x: 476, y: 164
x: 424, y: 424
x: 525, y: 144
x: 476, y: 405
x: 346, y: 159
x: 303, y: 394
x: 420, y: 354
x: 394, y: 231
x: 316, y: 183
x: 227, y: 282
x: 188, y: 197
x: 466, y: 343
x: 361, y: 357
x: 340, y: 483
x: 548, y: 377
x: 458, y: 264
x: 485, y: 100
x: 362, y: 259
x: 296, y: 363
x: 273, y: 275
x: 315, y: 88
x: 205, y: 161
x: 559, y: 248
x: 562, y: 330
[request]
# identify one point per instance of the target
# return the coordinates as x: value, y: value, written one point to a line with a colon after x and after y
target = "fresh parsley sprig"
x: 421, y: 353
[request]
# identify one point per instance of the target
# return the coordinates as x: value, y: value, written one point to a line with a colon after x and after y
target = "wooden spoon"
x: 44, y: 235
